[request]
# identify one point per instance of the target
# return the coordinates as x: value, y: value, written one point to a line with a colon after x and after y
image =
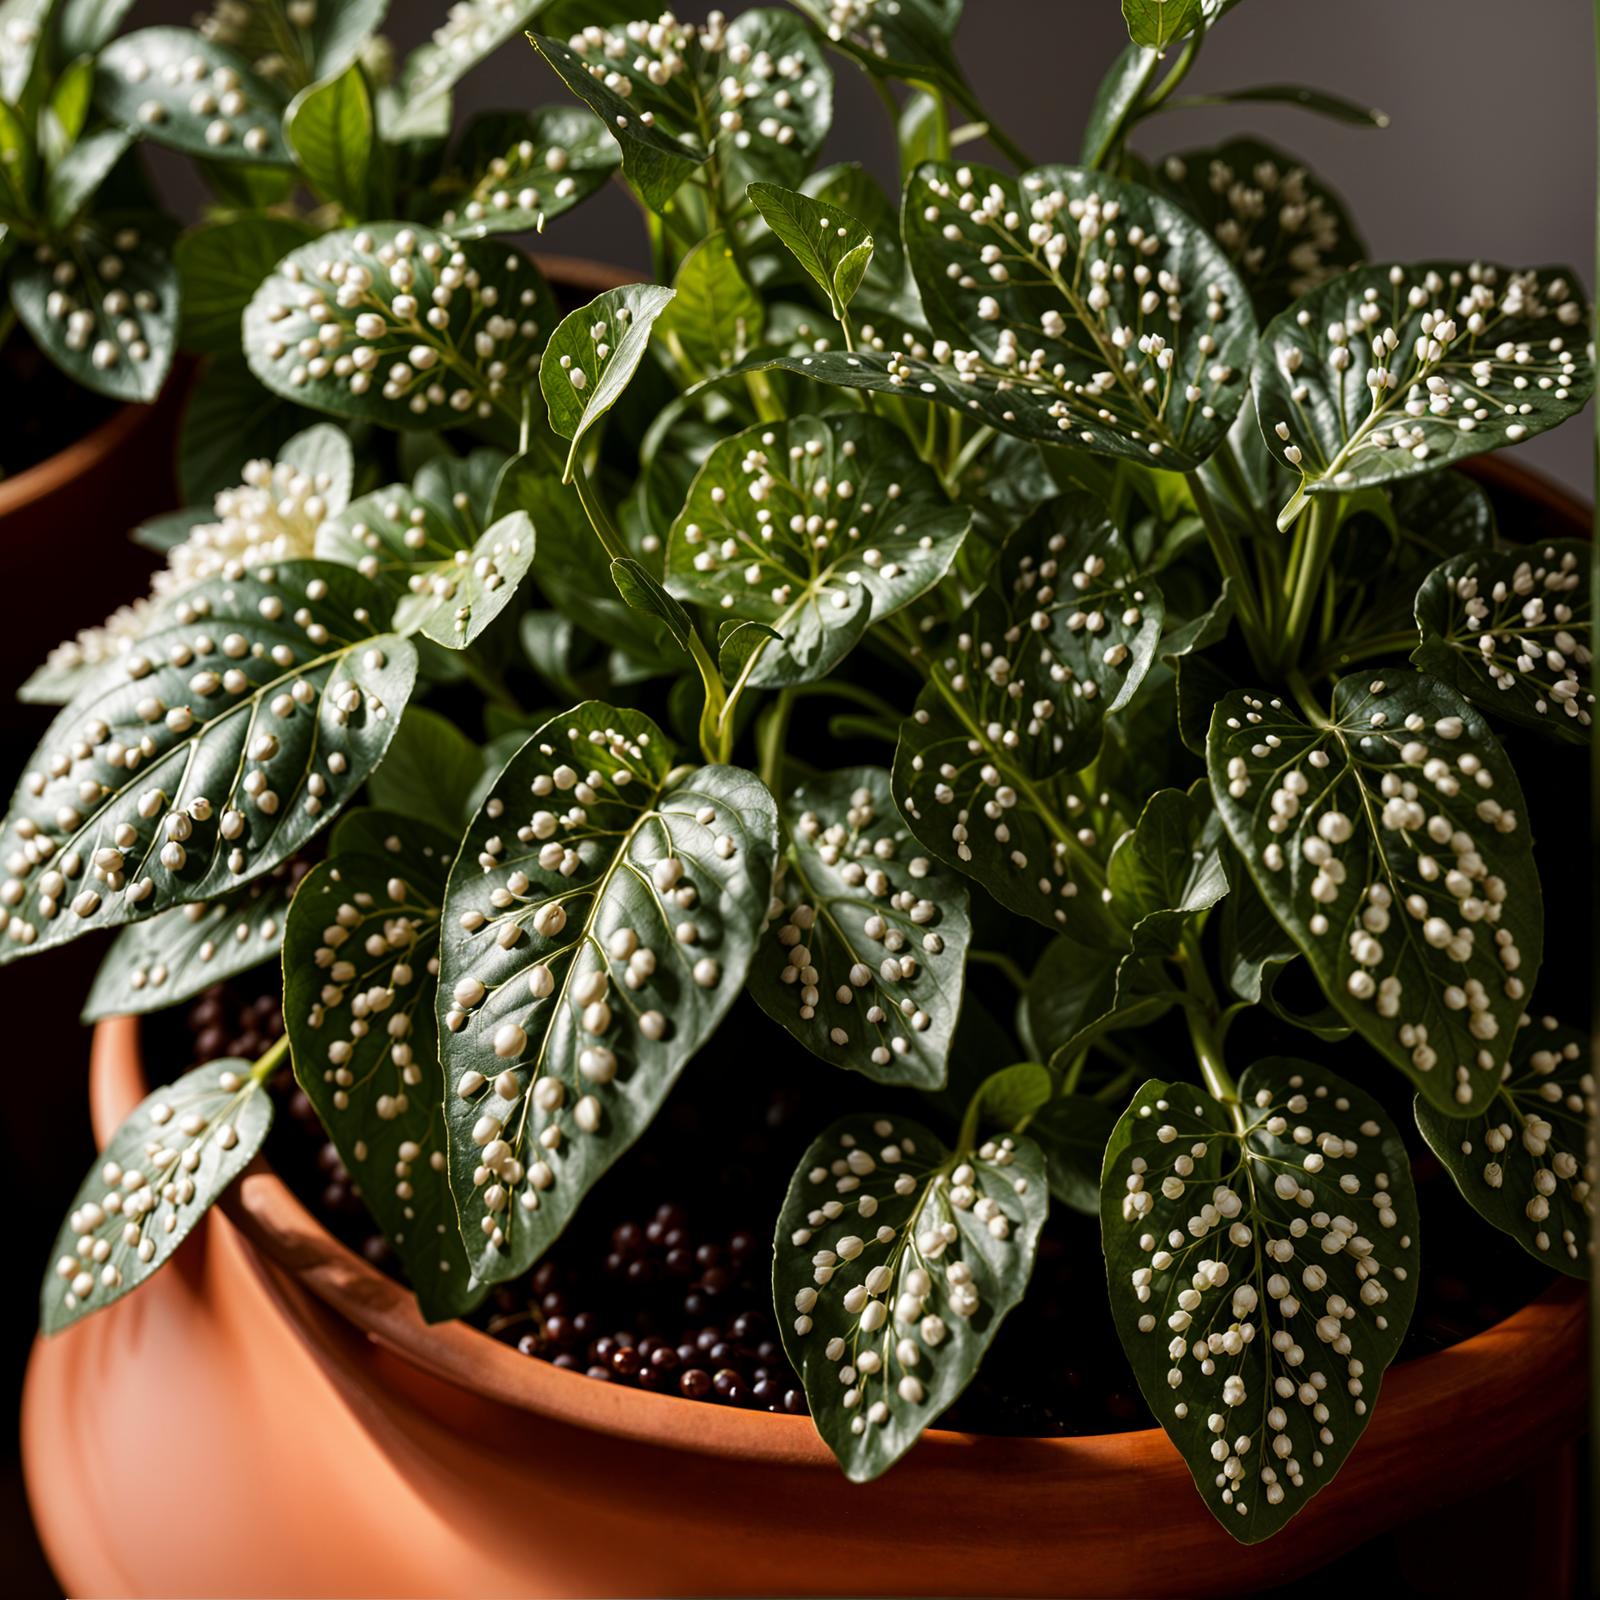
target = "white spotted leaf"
x: 119, y: 262
x: 594, y: 353
x: 1474, y: 357
x: 1393, y: 847
x: 360, y: 956
x: 472, y: 30
x: 833, y: 247
x: 1096, y: 334
x: 173, y: 957
x: 510, y: 170
x: 174, y: 1154
x: 1510, y: 629
x: 1167, y: 869
x: 1525, y: 1162
x: 368, y: 337
x: 893, y: 40
x: 210, y: 753
x: 595, y: 933
x: 875, y: 531
x: 895, y: 1262
x: 432, y: 544
x: 880, y: 928
x: 1262, y: 1261
x: 1283, y: 229
x: 1016, y: 700
x: 180, y: 89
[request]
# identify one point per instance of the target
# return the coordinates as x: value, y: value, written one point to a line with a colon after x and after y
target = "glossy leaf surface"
x: 1167, y: 869
x: 221, y: 267
x: 1071, y: 1132
x: 833, y: 247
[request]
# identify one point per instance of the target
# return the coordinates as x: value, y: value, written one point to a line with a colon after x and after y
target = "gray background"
x: 1490, y: 151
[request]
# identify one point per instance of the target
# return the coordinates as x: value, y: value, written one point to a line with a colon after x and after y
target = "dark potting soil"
x: 42, y: 410
x: 663, y: 1281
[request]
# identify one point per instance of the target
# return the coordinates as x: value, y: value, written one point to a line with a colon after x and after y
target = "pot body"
x: 308, y: 1434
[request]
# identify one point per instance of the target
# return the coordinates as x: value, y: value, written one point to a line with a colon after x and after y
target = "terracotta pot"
x: 271, y: 1415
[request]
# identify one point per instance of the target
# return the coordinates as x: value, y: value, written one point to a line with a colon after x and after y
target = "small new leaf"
x: 1521, y: 1164
x: 1167, y: 869
x: 895, y: 1262
x: 1261, y: 1280
x: 589, y: 950
x: 738, y: 644
x: 833, y: 247
x: 864, y: 954
x: 1392, y: 846
x: 1072, y: 1132
x: 641, y: 591
x: 179, y: 1148
x: 1155, y: 24
x: 716, y: 316
x: 1509, y: 629
x: 332, y: 128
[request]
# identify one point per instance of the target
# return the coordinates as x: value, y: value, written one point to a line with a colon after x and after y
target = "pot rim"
x: 1545, y: 1336
x: 82, y: 456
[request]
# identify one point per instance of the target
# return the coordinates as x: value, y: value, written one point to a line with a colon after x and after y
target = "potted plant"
x: 1118, y: 502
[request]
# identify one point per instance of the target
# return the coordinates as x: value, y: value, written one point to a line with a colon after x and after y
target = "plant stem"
x: 772, y: 734
x: 968, y: 454
x: 1314, y: 545
x: 1345, y: 655
x: 1202, y: 1027
x: 1001, y: 962
x: 1303, y: 697
x: 268, y: 1064
x: 1225, y: 547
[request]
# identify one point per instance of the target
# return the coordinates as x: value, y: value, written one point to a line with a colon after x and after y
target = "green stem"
x: 848, y: 727
x: 599, y: 518
x: 1303, y: 697
x: 1153, y: 101
x: 1344, y: 655
x: 772, y: 734
x: 968, y: 453
x: 1230, y: 557
x: 1007, y: 146
x: 1313, y: 546
x: 1001, y: 962
x: 269, y: 1063
x: 1202, y: 1020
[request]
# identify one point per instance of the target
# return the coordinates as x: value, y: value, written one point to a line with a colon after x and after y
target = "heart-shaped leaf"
x: 1216, y: 1220
x: 1509, y: 629
x: 1064, y: 633
x: 430, y: 543
x: 1072, y: 1132
x: 204, y: 757
x: 754, y: 97
x: 155, y: 964
x: 359, y: 964
x: 509, y: 171
x: 594, y: 354
x: 1521, y: 1163
x: 864, y: 962
x: 332, y: 128
x: 403, y: 325
x: 180, y: 89
x: 1283, y: 229
x: 815, y: 526
x: 833, y: 247
x: 1168, y: 868
x: 1155, y: 24
x: 1099, y: 311
x: 221, y: 267
x: 901, y: 1259
x: 179, y: 1148
x: 1391, y: 844
x: 104, y: 305
x: 586, y: 956
x: 716, y: 316
x: 1472, y: 357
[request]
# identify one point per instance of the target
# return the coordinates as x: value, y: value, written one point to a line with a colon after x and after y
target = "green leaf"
x: 19, y: 163
x: 125, y: 352
x: 87, y: 26
x: 1521, y: 1162
x: 470, y: 33
x: 430, y: 773
x: 832, y: 246
x: 594, y: 353
x: 1068, y: 621
x: 1509, y: 629
x: 339, y: 30
x: 1072, y: 984
x: 849, y: 187
x: 863, y: 957
x: 331, y: 128
x: 716, y: 316
x: 23, y: 23
x: 1009, y: 1098
x: 1213, y: 1235
x: 1297, y: 94
x: 737, y: 644
x: 210, y: 753
x: 221, y: 267
x: 197, y: 1135
x: 1155, y: 24
x: 160, y: 534
x: 179, y: 89
x: 1392, y: 846
x: 1072, y: 1131
x: 1505, y: 350
x: 587, y: 955
x: 1144, y: 991
x: 1119, y: 94
x: 1169, y: 867
x: 1284, y: 230
x: 1200, y: 633
x: 639, y: 588
x: 886, y: 40
x: 231, y: 419
x: 1201, y: 683
x: 875, y: 531
x: 80, y: 172
x: 511, y: 170
x: 358, y: 1001
x: 922, y: 130
x: 901, y: 1259
x: 769, y: 127
x: 1047, y: 330
x: 173, y: 957
x: 243, y: 187
x: 472, y: 368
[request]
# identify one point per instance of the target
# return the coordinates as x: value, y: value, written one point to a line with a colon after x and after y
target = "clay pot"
x: 271, y: 1415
